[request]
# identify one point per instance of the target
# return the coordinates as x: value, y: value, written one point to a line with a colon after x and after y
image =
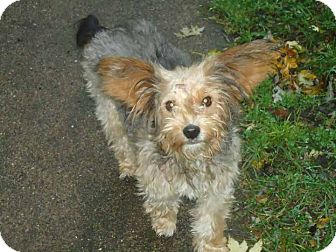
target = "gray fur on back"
x: 136, y: 39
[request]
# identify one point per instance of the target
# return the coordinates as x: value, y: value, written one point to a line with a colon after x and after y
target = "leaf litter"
x: 292, y: 76
x: 190, y: 31
x: 235, y: 246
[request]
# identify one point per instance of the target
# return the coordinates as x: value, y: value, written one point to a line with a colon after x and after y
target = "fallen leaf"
x: 313, y: 154
x: 188, y: 32
x: 294, y: 45
x: 214, y: 52
x: 280, y: 113
x: 315, y: 28
x: 312, y: 243
x: 262, y: 198
x: 313, y: 90
x: 322, y: 222
x: 307, y: 78
x: 234, y: 246
x: 310, y: 83
x: 258, y: 164
x: 257, y: 247
x: 288, y: 62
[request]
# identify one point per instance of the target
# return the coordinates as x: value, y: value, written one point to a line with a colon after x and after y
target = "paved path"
x: 58, y: 181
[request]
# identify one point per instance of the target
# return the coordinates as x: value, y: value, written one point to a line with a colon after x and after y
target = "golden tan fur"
x: 252, y: 61
x: 126, y: 80
x: 156, y: 146
x: 135, y: 83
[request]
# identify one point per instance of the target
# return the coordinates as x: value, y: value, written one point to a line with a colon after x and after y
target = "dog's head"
x: 193, y: 107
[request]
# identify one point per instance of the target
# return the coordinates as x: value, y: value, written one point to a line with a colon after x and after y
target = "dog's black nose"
x: 191, y: 131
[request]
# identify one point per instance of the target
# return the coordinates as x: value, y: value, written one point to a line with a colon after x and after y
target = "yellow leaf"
x: 312, y: 243
x: 315, y: 90
x: 213, y: 52
x: 313, y: 154
x: 261, y: 199
x: 258, y: 164
x: 307, y: 78
x: 292, y: 63
x: 322, y: 222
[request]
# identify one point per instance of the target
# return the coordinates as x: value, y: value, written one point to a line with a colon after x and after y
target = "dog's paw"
x: 126, y: 170
x: 164, y: 226
x: 211, y: 246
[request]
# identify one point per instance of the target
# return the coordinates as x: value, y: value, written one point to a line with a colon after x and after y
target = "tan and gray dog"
x: 173, y: 124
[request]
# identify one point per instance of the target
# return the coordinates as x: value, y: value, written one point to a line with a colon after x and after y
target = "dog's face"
x: 192, y: 108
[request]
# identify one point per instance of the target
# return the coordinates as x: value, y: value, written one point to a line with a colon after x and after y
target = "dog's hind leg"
x: 113, y: 124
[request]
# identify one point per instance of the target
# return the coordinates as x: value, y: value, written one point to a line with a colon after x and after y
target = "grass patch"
x: 308, y: 22
x: 289, y: 151
x: 288, y: 173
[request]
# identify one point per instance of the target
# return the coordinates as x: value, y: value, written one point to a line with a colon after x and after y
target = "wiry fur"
x: 132, y: 72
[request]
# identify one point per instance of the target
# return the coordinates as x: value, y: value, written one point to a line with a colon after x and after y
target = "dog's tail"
x: 87, y: 29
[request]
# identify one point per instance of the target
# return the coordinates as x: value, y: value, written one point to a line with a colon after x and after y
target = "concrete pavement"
x: 59, y: 185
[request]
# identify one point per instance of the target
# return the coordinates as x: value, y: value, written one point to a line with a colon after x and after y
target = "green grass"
x: 285, y: 19
x: 289, y: 152
x: 288, y: 190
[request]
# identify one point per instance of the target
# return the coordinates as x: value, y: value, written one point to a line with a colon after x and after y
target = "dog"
x: 171, y: 123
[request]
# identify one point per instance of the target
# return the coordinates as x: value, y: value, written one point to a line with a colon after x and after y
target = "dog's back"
x: 136, y: 39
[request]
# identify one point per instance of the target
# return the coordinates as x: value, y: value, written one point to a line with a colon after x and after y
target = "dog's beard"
x: 193, y: 149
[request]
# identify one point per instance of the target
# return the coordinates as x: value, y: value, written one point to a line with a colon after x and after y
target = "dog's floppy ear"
x: 245, y: 66
x: 128, y: 80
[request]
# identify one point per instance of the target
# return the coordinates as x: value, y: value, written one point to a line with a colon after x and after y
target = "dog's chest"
x: 199, y: 177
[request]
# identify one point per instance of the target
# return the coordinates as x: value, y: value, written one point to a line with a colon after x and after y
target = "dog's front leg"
x: 163, y: 212
x: 161, y: 201
x: 209, y: 222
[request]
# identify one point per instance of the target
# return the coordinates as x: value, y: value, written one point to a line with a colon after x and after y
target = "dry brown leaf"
x: 315, y: 90
x: 322, y: 222
x: 281, y: 113
x: 312, y: 243
x: 289, y: 77
x: 307, y: 78
x: 262, y: 198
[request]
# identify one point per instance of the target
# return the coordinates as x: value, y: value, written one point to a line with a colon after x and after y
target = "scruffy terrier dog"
x: 173, y: 124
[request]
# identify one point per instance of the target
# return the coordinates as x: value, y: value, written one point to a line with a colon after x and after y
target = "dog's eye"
x: 207, y: 101
x: 169, y: 105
